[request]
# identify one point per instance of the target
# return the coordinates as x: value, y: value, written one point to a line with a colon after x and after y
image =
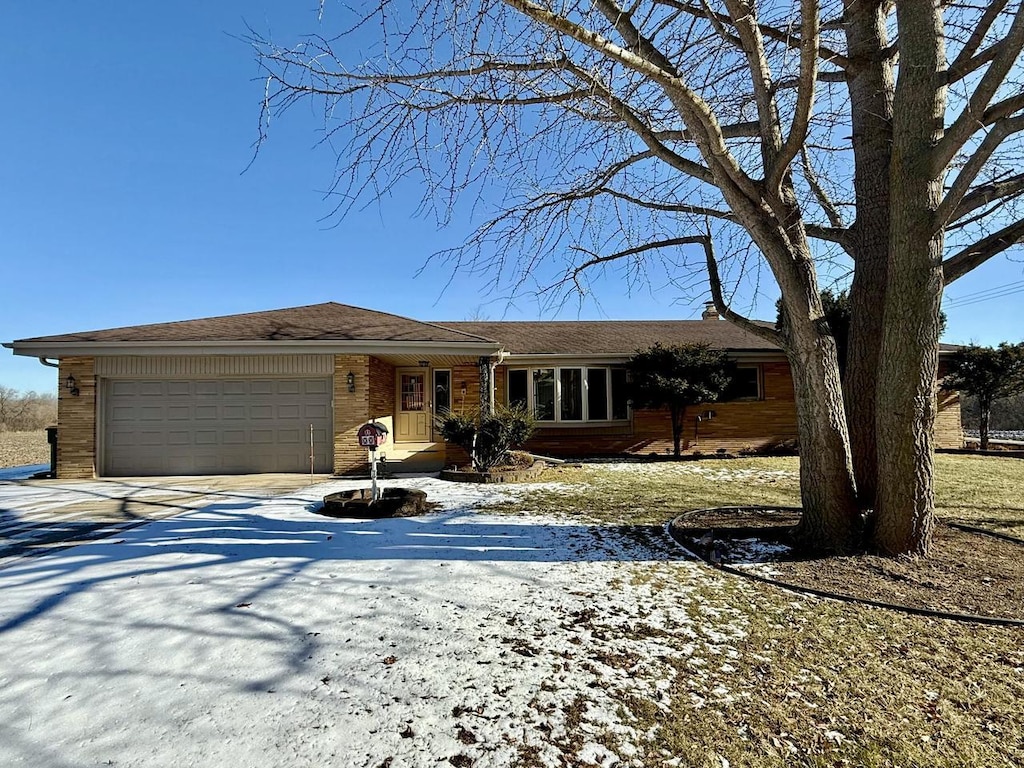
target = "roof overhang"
x: 283, y: 347
x: 750, y: 355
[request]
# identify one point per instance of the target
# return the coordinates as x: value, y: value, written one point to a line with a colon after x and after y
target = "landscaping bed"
x: 496, y: 475
x: 966, y: 572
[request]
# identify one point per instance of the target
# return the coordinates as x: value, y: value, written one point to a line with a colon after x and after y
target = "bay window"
x: 570, y: 394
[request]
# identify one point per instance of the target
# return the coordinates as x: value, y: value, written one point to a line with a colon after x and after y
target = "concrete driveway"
x: 256, y: 632
x: 37, y: 516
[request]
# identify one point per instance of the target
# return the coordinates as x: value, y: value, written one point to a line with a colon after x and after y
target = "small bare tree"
x: 875, y: 140
x: 24, y: 411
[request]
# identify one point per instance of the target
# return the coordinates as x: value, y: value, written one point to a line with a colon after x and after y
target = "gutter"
x: 279, y: 347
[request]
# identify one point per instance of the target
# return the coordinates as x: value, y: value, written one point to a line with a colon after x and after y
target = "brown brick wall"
x: 76, y: 420
x: 382, y: 389
x: 470, y: 376
x: 736, y: 425
x: 351, y: 411
x: 949, y: 431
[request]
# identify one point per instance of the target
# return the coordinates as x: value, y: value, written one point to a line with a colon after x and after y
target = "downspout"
x: 494, y: 365
x: 51, y: 432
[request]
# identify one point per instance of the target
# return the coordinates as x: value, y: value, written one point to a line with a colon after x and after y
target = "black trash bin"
x: 51, y: 438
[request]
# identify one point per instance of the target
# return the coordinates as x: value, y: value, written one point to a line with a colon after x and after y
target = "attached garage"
x: 214, y: 415
x: 215, y: 426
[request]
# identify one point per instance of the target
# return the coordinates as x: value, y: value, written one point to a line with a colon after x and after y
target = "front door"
x: 412, y: 420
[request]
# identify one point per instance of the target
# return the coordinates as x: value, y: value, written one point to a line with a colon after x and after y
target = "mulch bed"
x: 964, y: 573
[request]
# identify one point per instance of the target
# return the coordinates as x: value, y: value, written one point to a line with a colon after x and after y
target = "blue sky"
x: 125, y: 131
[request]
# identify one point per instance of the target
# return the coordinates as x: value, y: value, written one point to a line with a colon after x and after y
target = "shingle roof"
x: 323, y: 322
x: 340, y: 322
x: 609, y: 337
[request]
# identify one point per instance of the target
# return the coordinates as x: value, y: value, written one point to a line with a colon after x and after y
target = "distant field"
x: 20, y: 448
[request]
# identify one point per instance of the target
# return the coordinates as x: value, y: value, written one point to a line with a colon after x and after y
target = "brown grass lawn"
x: 819, y: 682
x: 18, y: 449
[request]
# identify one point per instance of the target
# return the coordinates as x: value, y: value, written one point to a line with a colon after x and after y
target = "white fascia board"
x: 102, y: 349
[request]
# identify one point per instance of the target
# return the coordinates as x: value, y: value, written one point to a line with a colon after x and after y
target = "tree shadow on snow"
x: 286, y: 543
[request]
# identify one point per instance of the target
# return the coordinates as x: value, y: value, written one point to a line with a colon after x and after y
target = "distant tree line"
x: 26, y: 411
x: 1007, y: 414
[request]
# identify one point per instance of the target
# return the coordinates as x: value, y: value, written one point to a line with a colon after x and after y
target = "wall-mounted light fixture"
x: 463, y: 389
x: 351, y: 381
x: 71, y: 384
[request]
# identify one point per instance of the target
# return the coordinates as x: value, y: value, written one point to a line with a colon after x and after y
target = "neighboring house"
x: 280, y: 390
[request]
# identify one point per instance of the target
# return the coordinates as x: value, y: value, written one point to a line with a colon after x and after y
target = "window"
x: 571, y: 400
x: 442, y: 391
x: 544, y: 394
x: 518, y: 391
x: 597, y: 394
x: 746, y: 384
x: 571, y: 394
x: 620, y: 403
x: 412, y: 391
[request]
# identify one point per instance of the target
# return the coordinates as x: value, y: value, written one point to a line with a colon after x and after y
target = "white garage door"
x: 216, y: 426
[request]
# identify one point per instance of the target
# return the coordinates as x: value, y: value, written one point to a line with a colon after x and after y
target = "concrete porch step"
x: 416, y: 457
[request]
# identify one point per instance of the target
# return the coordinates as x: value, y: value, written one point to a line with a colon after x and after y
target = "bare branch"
x: 987, y: 193
x: 715, y: 281
x: 836, y: 235
x: 809, y: 34
x: 744, y: 20
x: 652, y: 246
x: 641, y: 129
x: 962, y: 184
x: 697, y: 210
x: 834, y: 216
x: 972, y: 116
x: 960, y: 264
x: 1003, y: 109
x: 772, y: 33
x: 966, y: 61
x: 698, y: 112
x: 733, y: 131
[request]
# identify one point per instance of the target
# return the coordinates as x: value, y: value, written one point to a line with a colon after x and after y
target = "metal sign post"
x: 373, y: 474
x: 371, y: 436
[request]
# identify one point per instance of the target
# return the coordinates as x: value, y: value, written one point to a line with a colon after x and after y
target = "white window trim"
x: 558, y: 420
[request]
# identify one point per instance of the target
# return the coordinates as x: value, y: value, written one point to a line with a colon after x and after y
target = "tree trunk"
x: 677, y: 429
x: 909, y: 354
x: 871, y: 97
x: 830, y: 521
x: 985, y: 408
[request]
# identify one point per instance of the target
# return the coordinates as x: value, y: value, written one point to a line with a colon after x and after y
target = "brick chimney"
x: 709, y: 313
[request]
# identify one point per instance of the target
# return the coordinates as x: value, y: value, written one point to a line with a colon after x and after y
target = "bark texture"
x: 871, y: 86
x: 909, y: 355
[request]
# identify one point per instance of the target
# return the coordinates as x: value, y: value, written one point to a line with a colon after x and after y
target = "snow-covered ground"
x: 20, y: 473
x: 257, y: 633
x: 998, y: 434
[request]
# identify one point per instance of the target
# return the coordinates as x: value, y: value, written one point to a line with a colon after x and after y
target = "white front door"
x: 412, y: 414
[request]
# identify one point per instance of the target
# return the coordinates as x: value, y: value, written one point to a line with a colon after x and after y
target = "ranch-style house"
x: 266, y: 391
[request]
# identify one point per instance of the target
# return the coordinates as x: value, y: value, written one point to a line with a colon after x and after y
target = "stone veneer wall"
x: 351, y: 411
x: 76, y: 420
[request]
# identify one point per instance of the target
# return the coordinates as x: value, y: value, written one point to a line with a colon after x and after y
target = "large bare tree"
x: 875, y: 140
